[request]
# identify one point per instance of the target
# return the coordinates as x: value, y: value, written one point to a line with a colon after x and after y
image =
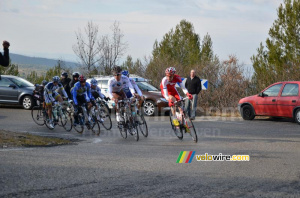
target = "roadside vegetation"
x: 10, y: 139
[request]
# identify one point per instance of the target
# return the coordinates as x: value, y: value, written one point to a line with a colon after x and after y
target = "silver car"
x: 16, y: 90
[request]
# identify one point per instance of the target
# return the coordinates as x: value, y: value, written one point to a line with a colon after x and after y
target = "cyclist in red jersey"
x: 168, y: 90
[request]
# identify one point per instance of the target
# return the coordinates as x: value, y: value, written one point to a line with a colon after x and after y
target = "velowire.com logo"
x: 187, y: 157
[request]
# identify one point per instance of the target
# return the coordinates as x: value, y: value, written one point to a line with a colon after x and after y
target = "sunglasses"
x: 117, y: 74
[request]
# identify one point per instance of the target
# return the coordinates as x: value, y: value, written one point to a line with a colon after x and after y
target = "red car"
x: 278, y: 100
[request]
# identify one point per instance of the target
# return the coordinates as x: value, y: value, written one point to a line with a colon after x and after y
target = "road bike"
x: 90, y: 121
x: 128, y: 123
x: 142, y: 124
x: 102, y: 113
x: 185, y: 123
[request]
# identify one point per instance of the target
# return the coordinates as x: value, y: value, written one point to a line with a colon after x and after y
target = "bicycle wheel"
x: 177, y: 129
x: 192, y: 132
x: 96, y: 128
x: 37, y: 115
x: 105, y: 119
x: 134, y: 129
x: 66, y: 120
x: 79, y: 127
x: 142, y: 124
x: 123, y: 131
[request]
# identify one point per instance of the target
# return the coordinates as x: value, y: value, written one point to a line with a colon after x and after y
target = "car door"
x: 267, y: 103
x: 8, y: 93
x: 288, y: 100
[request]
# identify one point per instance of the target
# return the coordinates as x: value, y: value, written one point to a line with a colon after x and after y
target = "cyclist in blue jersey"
x: 81, y: 93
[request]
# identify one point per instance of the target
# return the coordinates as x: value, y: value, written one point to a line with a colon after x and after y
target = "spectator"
x: 193, y: 85
x: 4, y: 59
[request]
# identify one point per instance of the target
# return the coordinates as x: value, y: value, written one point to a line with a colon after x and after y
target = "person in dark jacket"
x: 65, y: 81
x: 4, y: 59
x: 193, y: 85
x: 75, y: 76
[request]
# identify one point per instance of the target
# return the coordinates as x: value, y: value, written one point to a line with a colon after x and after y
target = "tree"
x: 279, y: 60
x: 86, y: 48
x: 111, y: 49
x: 181, y: 45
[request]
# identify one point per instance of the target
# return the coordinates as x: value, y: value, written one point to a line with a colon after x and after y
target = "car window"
x: 146, y: 86
x: 21, y: 82
x: 4, y: 82
x: 273, y: 91
x: 290, y: 90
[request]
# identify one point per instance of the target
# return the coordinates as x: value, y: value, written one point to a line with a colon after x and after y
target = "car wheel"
x: 149, y: 108
x: 297, y: 116
x: 27, y: 102
x: 247, y: 112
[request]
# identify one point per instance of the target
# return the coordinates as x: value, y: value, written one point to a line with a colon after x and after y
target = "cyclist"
x: 137, y: 90
x: 81, y: 93
x: 51, y: 95
x: 115, y: 88
x: 75, y: 76
x: 169, y: 91
x: 65, y: 81
x: 95, y: 90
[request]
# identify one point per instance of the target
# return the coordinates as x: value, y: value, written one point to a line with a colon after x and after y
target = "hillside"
x: 40, y: 65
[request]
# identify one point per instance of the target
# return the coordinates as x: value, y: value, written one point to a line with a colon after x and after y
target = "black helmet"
x: 116, y: 70
x: 75, y: 74
x: 44, y: 82
x: 64, y: 74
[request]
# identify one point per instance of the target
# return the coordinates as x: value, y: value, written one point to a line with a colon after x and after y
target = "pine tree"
x: 279, y: 60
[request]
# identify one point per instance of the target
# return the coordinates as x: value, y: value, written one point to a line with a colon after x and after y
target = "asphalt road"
x: 111, y: 166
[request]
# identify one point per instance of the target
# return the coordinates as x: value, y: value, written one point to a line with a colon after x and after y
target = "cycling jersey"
x: 84, y: 91
x: 51, y: 92
x: 168, y: 88
x: 96, y: 92
x: 115, y: 86
x: 136, y: 88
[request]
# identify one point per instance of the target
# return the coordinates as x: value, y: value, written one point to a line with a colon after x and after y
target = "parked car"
x: 16, y: 90
x: 155, y: 103
x: 278, y: 100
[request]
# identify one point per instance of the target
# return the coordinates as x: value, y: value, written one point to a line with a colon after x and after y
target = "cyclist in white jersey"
x: 137, y: 90
x: 115, y: 88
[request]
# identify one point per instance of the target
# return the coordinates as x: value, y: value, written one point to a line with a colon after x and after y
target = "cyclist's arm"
x: 100, y: 94
x: 165, y: 89
x: 74, y: 91
x: 110, y: 89
x: 137, y: 88
x: 183, y: 88
x: 130, y: 86
x: 64, y: 92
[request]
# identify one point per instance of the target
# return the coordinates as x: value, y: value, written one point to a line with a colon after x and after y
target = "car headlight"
x: 163, y: 99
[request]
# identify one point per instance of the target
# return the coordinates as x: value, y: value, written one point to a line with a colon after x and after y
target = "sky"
x: 46, y: 28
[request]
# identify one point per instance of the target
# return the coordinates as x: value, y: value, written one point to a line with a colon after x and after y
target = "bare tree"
x: 111, y: 49
x: 86, y: 48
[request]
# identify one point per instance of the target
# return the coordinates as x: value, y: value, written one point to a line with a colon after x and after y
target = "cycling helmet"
x: 75, y: 74
x: 116, y: 70
x: 170, y: 71
x: 125, y: 73
x: 81, y: 78
x: 64, y: 74
x: 44, y: 82
x: 55, y: 79
x: 94, y: 82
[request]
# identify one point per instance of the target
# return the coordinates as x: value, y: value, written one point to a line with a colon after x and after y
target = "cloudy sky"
x: 46, y: 28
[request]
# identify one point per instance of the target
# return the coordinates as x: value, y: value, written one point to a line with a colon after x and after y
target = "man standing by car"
x: 193, y: 85
x: 4, y: 59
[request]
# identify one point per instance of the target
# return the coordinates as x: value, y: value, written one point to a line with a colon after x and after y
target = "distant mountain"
x: 37, y: 61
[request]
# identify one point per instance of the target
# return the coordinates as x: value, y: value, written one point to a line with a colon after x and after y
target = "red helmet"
x: 81, y: 78
x: 170, y: 71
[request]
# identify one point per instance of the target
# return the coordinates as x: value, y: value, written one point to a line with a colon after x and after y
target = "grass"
x: 10, y: 139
